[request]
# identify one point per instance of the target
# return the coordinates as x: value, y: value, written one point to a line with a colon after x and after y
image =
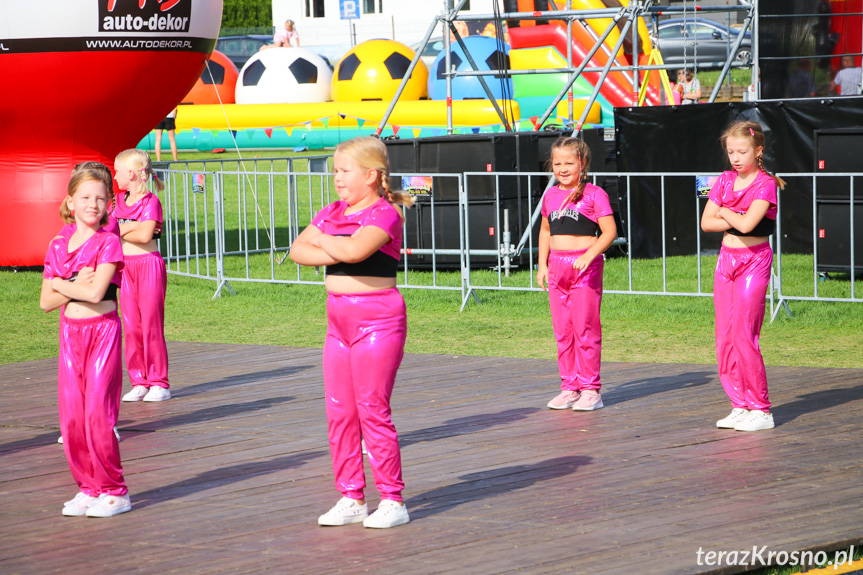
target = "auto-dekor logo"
x: 147, y: 16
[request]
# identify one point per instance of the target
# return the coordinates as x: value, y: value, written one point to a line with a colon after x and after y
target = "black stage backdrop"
x: 673, y: 139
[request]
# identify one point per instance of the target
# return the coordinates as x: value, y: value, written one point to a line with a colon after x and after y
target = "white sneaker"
x: 60, y: 440
x: 109, y: 505
x: 78, y: 506
x: 157, y: 393
x: 737, y: 414
x: 564, y: 400
x: 388, y: 514
x: 137, y: 394
x: 345, y: 512
x: 755, y: 421
x: 589, y: 400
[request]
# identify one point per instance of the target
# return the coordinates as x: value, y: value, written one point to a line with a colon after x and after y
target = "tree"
x: 247, y: 13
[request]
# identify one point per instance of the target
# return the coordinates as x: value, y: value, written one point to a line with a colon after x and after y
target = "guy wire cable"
x: 241, y: 161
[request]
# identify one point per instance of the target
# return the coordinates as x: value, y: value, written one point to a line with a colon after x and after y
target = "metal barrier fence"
x: 478, y: 231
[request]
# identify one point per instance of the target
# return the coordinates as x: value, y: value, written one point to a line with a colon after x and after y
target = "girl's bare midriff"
x: 135, y: 249
x: 358, y: 284
x: 83, y: 310
x: 732, y: 241
x: 565, y: 243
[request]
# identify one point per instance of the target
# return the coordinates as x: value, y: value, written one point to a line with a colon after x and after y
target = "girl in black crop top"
x: 570, y: 267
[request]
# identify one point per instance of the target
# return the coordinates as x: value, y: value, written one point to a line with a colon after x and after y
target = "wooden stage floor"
x: 231, y: 475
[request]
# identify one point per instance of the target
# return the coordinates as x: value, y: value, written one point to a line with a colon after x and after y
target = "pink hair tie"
x: 751, y: 132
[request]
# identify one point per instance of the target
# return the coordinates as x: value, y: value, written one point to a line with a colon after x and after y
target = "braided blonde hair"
x: 139, y: 160
x: 371, y: 154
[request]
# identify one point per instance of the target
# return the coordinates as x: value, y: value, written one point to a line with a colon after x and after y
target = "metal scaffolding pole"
x: 633, y: 11
x: 732, y: 53
x: 611, y: 26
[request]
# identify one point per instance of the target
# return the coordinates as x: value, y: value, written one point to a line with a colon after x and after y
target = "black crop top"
x: 572, y: 223
x: 765, y: 227
x: 157, y: 233
x: 110, y: 293
x: 377, y: 265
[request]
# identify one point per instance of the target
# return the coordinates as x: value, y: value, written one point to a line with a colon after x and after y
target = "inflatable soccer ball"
x: 487, y: 55
x: 284, y: 76
x: 373, y: 71
x: 216, y: 84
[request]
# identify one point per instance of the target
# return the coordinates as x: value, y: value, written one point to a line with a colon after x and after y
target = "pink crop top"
x: 763, y: 187
x: 575, y: 219
x: 146, y: 209
x: 102, y: 248
x: 333, y: 221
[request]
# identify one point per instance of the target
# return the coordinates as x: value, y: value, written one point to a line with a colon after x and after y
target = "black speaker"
x: 483, y: 153
x: 438, y: 228
x: 838, y: 150
x: 834, y: 236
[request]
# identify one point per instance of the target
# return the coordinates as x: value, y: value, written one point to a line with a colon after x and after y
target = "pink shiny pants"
x: 362, y: 353
x: 89, y: 383
x: 575, y: 298
x: 142, y: 304
x: 739, y: 289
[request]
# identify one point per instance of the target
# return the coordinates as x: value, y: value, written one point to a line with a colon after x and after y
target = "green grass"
x: 739, y: 77
x: 639, y: 328
x: 790, y: 570
x: 636, y: 328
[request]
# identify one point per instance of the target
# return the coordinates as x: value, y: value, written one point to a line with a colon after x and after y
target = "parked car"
x: 239, y: 49
x: 684, y: 40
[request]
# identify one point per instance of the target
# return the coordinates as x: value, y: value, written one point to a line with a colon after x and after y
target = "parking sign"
x: 349, y: 9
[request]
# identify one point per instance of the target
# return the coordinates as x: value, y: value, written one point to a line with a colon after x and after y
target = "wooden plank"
x: 231, y: 474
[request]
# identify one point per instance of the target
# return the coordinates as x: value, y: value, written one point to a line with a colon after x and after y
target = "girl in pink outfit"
x: 82, y: 276
x: 359, y: 239
x: 142, y: 296
x: 742, y: 205
x: 570, y: 268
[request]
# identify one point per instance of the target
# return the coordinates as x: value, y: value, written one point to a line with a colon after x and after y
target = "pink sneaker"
x: 588, y: 401
x: 564, y: 400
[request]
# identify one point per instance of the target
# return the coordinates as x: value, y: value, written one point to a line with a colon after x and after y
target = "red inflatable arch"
x: 84, y: 80
x: 217, y: 82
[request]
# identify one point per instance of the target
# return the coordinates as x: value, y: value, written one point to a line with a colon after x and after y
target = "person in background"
x: 848, y: 80
x: 142, y: 294
x: 691, y: 89
x: 801, y: 84
x: 287, y: 37
x: 169, y: 124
